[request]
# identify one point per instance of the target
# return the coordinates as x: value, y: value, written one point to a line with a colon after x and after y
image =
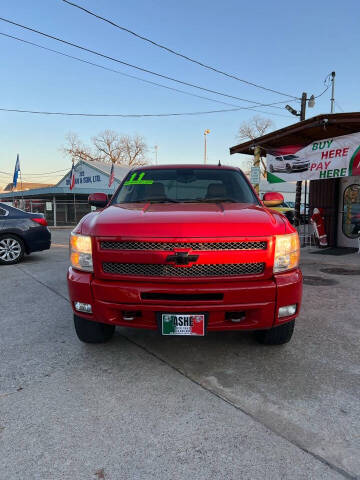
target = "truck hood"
x: 184, y: 220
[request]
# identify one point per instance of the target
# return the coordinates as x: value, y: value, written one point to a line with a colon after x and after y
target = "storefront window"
x: 351, y: 208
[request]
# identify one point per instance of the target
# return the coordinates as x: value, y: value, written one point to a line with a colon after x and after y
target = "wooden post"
x: 299, y: 182
x: 257, y: 164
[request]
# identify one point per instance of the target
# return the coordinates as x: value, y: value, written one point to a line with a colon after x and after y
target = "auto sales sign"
x: 330, y: 158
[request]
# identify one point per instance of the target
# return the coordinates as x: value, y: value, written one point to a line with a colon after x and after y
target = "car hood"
x: 207, y: 220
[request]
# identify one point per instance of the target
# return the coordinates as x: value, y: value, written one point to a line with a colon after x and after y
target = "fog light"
x: 287, y: 311
x: 83, y: 307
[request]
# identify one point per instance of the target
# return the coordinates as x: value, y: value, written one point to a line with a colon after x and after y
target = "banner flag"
x: 16, y: 171
x: 72, y: 177
x: 330, y: 158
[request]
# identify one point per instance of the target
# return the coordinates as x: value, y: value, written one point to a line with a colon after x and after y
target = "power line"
x: 135, y: 66
x: 41, y: 173
x: 122, y: 115
x: 209, y: 67
x: 127, y: 74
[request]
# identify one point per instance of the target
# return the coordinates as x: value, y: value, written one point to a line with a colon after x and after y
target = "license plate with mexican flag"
x: 182, y: 324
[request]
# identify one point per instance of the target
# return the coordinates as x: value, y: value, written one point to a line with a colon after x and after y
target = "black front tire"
x: 12, y: 249
x: 277, y: 335
x: 93, y: 332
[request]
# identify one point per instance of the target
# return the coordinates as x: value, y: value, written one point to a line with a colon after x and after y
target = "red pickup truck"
x: 185, y: 250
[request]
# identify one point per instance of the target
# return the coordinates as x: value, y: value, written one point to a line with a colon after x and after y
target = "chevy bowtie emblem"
x: 182, y: 258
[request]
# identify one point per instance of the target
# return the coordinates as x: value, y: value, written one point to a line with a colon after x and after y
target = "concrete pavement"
x: 143, y: 406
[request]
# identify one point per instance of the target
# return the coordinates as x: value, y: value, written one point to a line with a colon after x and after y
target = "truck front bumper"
x: 253, y: 304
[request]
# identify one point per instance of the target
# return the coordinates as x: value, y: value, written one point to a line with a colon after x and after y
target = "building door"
x: 349, y: 212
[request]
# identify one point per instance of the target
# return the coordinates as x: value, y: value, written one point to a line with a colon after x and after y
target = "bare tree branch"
x: 108, y: 146
x: 256, y: 127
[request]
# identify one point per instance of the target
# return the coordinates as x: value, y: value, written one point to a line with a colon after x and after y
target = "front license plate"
x: 182, y: 324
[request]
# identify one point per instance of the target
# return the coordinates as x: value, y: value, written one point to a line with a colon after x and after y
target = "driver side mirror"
x: 273, y: 199
x: 99, y: 200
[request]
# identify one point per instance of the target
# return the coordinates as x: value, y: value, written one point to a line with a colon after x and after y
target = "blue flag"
x: 16, y: 171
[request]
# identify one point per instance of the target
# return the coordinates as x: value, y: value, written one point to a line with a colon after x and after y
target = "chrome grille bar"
x: 204, y: 270
x: 204, y: 246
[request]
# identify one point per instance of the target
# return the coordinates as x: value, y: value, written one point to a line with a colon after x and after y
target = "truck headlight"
x: 81, y: 252
x: 287, y: 252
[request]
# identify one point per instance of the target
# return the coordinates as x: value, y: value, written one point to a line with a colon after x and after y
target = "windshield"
x: 169, y: 185
x: 291, y: 157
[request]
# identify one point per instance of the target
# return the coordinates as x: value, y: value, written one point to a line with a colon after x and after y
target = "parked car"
x: 21, y: 233
x: 185, y: 250
x: 288, y: 164
x: 286, y: 210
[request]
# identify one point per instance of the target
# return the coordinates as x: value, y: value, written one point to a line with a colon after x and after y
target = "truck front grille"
x: 206, y: 270
x: 205, y: 246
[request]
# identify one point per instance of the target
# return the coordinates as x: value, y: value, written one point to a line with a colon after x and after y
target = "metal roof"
x: 303, y: 133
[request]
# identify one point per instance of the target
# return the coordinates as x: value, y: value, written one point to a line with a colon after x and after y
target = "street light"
x: 205, y: 133
x: 156, y: 154
x: 292, y: 110
x: 310, y: 101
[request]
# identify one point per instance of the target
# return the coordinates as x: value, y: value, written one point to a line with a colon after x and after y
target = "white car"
x: 288, y: 163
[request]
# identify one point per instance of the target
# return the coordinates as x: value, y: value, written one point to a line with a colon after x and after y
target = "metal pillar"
x: 54, y: 209
x: 332, y: 91
x: 299, y: 183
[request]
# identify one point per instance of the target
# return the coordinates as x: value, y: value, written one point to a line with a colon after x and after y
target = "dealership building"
x: 327, y: 148
x: 59, y: 204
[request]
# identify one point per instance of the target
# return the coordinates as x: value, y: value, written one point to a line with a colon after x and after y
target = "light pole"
x: 311, y: 102
x: 156, y: 154
x: 332, y: 91
x: 205, y: 133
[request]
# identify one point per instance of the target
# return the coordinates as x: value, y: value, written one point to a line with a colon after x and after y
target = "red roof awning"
x: 303, y: 133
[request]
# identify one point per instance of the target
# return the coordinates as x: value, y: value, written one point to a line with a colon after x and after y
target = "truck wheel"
x: 277, y: 335
x: 92, y: 332
x: 12, y: 249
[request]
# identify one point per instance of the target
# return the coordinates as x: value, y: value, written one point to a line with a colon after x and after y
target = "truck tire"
x: 92, y: 332
x: 277, y: 335
x: 12, y: 249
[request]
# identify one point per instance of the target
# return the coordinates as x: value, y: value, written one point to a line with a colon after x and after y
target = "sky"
x: 287, y: 46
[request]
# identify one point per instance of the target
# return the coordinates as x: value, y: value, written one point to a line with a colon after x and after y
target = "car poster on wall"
x: 330, y: 158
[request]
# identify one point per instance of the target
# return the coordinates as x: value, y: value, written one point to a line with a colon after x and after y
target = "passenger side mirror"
x: 273, y: 199
x: 99, y: 200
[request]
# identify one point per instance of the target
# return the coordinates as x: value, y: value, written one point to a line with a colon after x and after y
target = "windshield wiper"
x: 216, y: 200
x: 168, y: 200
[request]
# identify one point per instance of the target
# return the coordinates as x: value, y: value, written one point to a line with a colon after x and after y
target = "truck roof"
x: 182, y: 165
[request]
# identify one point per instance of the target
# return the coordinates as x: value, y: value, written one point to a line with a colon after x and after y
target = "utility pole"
x: 299, y: 182
x: 332, y: 91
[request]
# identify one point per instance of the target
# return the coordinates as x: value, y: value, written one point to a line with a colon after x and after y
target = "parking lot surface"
x: 149, y: 407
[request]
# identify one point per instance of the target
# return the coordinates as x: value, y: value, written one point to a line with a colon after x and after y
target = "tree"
x: 254, y: 128
x: 108, y: 146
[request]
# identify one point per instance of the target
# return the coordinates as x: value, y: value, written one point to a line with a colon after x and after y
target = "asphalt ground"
x: 150, y: 407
